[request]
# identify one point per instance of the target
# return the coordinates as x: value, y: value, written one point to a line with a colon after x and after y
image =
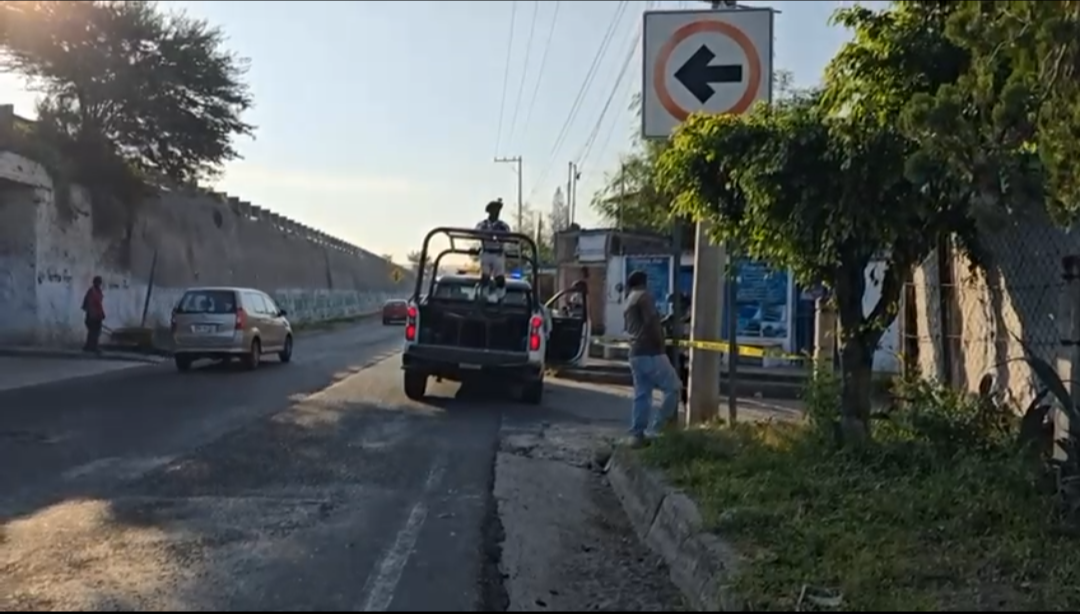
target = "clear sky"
x: 380, y: 119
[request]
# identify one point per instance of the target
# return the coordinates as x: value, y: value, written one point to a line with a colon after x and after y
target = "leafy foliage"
x: 1008, y: 124
x: 768, y: 181
x: 126, y: 80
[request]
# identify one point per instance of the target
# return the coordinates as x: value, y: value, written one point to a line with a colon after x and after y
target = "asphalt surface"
x: 312, y: 486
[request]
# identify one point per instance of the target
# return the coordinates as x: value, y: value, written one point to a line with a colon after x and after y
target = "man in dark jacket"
x: 94, y: 308
x: 679, y: 356
x: 649, y: 363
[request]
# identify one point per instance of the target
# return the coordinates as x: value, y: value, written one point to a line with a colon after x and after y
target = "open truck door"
x: 571, y: 332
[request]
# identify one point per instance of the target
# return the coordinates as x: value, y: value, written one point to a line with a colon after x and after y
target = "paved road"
x: 312, y: 486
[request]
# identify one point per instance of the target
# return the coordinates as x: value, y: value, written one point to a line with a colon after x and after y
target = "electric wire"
x: 506, y: 75
x: 575, y: 108
x: 543, y: 65
x: 587, y: 147
x: 524, y: 70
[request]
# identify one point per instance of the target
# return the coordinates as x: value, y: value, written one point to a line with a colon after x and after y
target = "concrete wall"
x: 54, y: 239
x: 992, y: 314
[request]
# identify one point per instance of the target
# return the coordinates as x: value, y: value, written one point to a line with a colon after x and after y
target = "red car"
x: 395, y: 311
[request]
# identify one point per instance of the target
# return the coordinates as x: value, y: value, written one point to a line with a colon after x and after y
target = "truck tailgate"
x: 467, y: 356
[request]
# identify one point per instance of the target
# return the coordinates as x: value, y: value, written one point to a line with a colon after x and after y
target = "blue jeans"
x: 651, y: 373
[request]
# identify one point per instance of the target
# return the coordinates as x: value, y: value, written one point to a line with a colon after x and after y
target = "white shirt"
x: 496, y: 226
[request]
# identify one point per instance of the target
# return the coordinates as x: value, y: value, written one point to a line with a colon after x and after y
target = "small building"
x: 772, y: 311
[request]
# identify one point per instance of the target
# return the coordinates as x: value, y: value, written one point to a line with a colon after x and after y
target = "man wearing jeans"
x: 649, y: 363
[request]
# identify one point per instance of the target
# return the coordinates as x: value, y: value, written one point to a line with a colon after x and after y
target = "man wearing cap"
x: 492, y: 252
x: 649, y: 363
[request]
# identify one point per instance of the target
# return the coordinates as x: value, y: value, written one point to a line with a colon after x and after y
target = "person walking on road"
x: 94, y: 308
x: 649, y: 363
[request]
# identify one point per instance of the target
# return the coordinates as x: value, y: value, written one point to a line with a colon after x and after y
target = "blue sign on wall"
x: 763, y: 300
x: 658, y: 270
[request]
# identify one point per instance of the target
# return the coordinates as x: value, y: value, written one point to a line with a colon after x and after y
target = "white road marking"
x: 381, y: 586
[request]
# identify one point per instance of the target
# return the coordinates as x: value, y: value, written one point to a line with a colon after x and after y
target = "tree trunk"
x: 856, y: 365
x: 858, y: 340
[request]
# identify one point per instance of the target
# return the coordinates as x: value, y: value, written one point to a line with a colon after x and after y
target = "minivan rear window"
x: 208, y: 301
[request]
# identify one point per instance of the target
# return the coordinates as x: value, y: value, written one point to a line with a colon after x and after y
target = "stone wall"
x: 54, y: 239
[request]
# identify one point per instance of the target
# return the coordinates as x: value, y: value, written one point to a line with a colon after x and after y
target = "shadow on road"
x: 287, y: 511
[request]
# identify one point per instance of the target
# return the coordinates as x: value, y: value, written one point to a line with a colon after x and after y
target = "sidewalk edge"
x: 701, y: 564
x: 32, y: 352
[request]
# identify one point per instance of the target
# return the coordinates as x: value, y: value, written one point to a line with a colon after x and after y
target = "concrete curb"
x: 33, y: 352
x: 701, y: 563
x: 159, y: 355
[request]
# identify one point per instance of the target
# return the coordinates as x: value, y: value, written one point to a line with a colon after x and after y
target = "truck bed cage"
x: 526, y: 253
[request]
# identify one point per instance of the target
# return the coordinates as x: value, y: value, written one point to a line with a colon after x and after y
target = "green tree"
x: 1009, y: 123
x: 533, y: 225
x: 153, y: 89
x: 825, y: 195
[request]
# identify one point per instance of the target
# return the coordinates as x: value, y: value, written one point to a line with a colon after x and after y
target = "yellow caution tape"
x: 752, y: 351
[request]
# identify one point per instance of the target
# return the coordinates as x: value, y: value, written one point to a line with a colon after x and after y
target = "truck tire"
x: 415, y: 385
x: 532, y: 392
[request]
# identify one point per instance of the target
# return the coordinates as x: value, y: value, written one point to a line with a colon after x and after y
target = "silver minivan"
x: 226, y: 323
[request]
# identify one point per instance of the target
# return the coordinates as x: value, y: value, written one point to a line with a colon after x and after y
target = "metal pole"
x: 521, y: 202
x: 520, y: 173
x: 622, y: 193
x: 733, y: 338
x: 569, y: 188
x: 677, y: 306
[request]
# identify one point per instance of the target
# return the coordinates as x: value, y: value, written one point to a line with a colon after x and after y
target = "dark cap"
x: 637, y: 279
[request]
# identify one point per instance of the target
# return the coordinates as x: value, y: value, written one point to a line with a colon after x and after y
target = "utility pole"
x: 520, y: 174
x: 622, y: 193
x: 706, y: 309
x: 573, y: 173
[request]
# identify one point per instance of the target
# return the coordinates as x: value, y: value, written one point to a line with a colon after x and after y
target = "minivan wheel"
x: 183, y: 363
x: 254, y: 356
x: 415, y: 385
x: 285, y: 355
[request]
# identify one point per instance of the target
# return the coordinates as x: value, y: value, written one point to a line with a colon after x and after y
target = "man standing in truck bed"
x: 493, y: 254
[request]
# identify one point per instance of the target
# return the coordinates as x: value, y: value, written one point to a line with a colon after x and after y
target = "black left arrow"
x: 697, y: 76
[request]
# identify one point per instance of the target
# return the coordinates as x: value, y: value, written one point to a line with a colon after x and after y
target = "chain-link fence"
x: 962, y: 323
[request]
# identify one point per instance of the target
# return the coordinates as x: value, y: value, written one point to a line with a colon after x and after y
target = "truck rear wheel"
x: 532, y: 392
x: 415, y: 385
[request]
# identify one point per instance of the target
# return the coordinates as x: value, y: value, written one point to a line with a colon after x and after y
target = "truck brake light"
x: 534, y: 333
x: 410, y: 324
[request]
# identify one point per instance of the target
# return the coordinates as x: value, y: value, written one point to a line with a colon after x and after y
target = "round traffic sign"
x: 752, y: 80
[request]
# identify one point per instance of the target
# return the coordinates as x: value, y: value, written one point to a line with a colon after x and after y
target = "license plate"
x: 204, y: 328
x: 469, y: 366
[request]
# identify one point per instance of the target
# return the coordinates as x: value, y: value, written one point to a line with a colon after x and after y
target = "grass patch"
x: 943, y: 512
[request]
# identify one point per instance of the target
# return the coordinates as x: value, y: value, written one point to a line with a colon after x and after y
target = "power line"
x: 543, y: 65
x: 524, y: 70
x: 506, y: 75
x: 586, y: 148
x: 576, y: 106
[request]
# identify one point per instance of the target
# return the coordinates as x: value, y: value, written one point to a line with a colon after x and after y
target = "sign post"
x: 710, y: 61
